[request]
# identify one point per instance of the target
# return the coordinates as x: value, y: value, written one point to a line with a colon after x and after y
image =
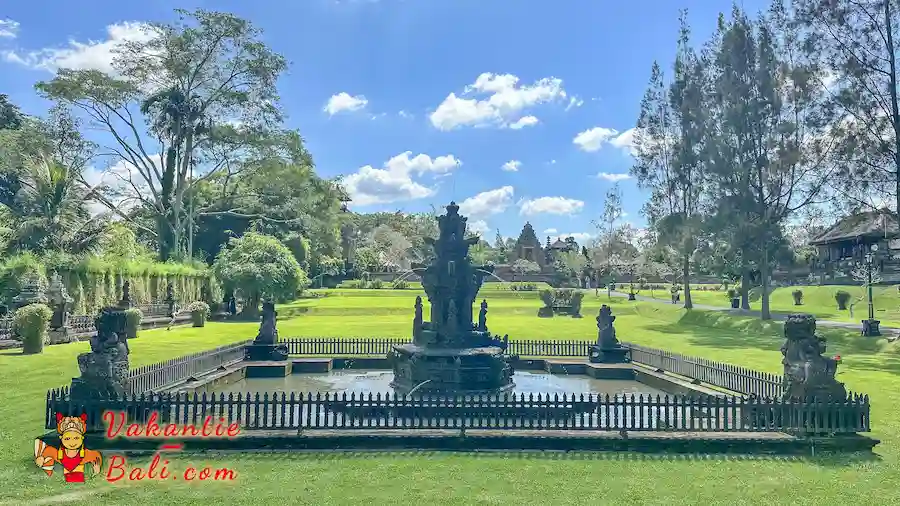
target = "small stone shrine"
x: 807, y: 374
x: 61, y: 304
x: 450, y: 354
x: 607, y: 350
x: 126, y: 302
x: 104, y: 370
x: 265, y: 347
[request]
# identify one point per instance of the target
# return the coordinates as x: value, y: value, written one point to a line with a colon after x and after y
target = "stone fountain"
x: 450, y: 354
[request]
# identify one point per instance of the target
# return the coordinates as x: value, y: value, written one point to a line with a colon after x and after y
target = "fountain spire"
x: 477, y: 361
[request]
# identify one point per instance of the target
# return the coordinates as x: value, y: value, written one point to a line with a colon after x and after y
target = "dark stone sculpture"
x: 265, y: 347
x: 171, y: 303
x: 449, y: 354
x: 607, y: 349
x: 61, y: 304
x: 807, y: 374
x: 104, y: 370
x: 126, y: 302
x: 482, y: 317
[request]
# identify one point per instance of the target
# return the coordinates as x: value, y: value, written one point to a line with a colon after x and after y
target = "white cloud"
x: 550, y: 231
x: 503, y: 99
x: 344, y: 101
x: 613, y: 176
x: 479, y: 227
x: 574, y: 102
x: 90, y: 55
x: 552, y: 162
x: 395, y: 182
x: 595, y: 138
x: 8, y: 28
x: 404, y: 114
x: 523, y: 122
x: 489, y: 202
x: 551, y: 205
x: 511, y: 166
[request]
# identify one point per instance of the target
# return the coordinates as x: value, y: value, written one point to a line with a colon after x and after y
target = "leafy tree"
x: 191, y: 82
x: 765, y: 150
x: 10, y: 116
x: 856, y: 44
x: 259, y: 267
x: 523, y: 267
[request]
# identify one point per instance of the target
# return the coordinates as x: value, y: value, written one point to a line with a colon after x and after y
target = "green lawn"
x: 817, y: 300
x: 869, y: 365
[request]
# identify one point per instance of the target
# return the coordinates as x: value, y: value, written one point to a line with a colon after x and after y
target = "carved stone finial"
x: 482, y: 316
x: 104, y: 370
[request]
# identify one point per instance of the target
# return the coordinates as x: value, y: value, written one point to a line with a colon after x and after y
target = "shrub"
x: 842, y: 298
x: 798, y: 297
x: 260, y: 266
x: 199, y: 312
x: 399, y: 284
x: 133, y: 317
x: 732, y: 294
x: 376, y: 284
x: 351, y: 284
x: 30, y: 324
x: 546, y: 296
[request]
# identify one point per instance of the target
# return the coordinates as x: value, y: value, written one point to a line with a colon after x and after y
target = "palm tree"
x: 51, y: 212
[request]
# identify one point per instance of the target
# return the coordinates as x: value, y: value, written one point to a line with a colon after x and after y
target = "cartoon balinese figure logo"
x: 71, y: 454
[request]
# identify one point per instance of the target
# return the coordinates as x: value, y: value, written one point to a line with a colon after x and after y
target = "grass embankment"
x: 465, y: 479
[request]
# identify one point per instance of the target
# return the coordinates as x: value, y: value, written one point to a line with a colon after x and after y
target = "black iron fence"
x: 383, y: 345
x: 153, y: 377
x: 529, y: 412
x: 730, y: 377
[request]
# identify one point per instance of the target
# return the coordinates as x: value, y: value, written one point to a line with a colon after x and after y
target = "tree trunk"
x: 686, y: 275
x: 745, y: 282
x: 895, y: 109
x: 764, y: 311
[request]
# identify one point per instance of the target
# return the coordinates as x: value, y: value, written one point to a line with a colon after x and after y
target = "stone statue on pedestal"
x: 482, y: 317
x: 104, y: 370
x: 265, y: 346
x: 417, y: 319
x: 61, y: 304
x: 607, y: 349
x: 126, y: 302
x: 171, y: 303
x: 807, y: 374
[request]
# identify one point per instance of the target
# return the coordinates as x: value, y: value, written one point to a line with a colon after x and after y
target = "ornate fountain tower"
x: 449, y: 354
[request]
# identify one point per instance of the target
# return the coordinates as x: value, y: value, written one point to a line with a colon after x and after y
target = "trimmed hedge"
x: 31, y: 323
x: 93, y: 282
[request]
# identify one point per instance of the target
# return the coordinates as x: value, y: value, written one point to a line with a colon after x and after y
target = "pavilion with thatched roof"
x: 853, y: 235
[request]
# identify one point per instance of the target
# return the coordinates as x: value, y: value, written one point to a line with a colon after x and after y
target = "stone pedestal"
x: 266, y: 352
x: 126, y: 302
x: 615, y: 355
x: 61, y: 304
x: 871, y: 328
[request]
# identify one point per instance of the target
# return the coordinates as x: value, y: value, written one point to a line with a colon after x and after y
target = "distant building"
x: 851, y: 237
x: 528, y: 247
x: 559, y: 247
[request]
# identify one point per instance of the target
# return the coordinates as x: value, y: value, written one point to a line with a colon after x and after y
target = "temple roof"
x: 559, y: 244
x: 870, y: 224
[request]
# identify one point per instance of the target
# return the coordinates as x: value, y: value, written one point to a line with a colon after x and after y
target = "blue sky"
x: 521, y: 109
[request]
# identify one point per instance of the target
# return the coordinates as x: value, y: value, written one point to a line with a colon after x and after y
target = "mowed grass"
x: 817, y: 300
x: 869, y: 365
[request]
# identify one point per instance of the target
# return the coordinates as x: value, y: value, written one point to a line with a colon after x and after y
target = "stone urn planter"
x: 199, y: 313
